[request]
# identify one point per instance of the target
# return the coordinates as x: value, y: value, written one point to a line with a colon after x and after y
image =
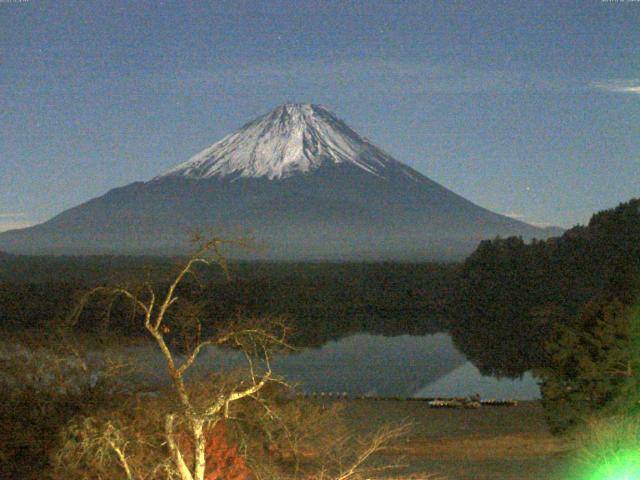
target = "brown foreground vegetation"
x: 492, y: 443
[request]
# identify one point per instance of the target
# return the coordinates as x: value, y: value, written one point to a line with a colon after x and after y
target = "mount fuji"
x: 298, y: 180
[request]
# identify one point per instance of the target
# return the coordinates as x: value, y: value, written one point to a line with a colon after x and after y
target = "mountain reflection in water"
x: 366, y: 364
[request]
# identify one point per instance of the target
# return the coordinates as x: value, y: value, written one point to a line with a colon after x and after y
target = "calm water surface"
x: 366, y: 364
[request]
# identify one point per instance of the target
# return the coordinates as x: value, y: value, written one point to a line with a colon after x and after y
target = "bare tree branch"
x: 183, y: 470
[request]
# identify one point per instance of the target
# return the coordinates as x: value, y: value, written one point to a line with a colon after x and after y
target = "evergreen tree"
x: 511, y: 294
x: 595, y: 366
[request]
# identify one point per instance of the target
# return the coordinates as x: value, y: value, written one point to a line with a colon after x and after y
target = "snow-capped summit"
x: 293, y: 138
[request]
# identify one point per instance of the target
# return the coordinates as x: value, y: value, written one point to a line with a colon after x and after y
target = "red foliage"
x: 222, y: 457
x: 223, y: 460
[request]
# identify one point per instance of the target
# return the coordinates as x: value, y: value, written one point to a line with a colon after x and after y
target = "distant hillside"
x: 510, y: 293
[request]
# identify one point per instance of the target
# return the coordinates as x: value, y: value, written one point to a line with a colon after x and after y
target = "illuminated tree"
x: 194, y: 442
x: 256, y: 340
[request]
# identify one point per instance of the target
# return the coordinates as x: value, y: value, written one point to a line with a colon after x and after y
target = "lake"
x: 375, y: 365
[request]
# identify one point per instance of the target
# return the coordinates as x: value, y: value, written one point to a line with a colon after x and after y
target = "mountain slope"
x: 299, y: 180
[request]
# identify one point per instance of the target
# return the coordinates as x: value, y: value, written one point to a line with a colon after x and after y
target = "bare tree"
x: 200, y: 406
x: 256, y: 341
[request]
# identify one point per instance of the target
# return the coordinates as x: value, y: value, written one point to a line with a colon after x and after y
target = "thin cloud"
x: 13, y: 221
x: 5, y: 226
x: 542, y: 224
x: 523, y: 218
x: 619, y: 85
x: 517, y: 216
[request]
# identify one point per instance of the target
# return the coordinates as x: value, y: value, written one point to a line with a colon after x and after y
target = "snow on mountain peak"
x: 294, y: 138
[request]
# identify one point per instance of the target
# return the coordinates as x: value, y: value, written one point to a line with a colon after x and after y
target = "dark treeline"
x: 510, y: 294
x: 83, y: 271
x: 322, y: 301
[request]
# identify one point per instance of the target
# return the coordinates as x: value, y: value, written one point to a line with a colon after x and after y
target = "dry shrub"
x: 271, y: 437
x: 122, y: 441
x: 309, y: 439
x: 288, y: 434
x: 45, y: 381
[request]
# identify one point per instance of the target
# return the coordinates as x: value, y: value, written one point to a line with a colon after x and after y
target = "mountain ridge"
x: 305, y: 194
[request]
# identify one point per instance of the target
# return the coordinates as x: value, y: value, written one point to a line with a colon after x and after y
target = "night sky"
x: 528, y: 108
